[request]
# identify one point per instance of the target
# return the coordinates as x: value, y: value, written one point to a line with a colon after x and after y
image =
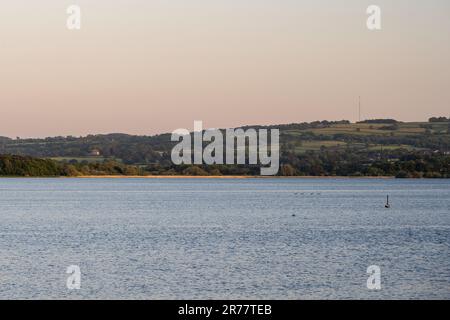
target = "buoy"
x: 387, y: 206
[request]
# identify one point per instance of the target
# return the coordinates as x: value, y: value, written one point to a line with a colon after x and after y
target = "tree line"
x: 407, y: 165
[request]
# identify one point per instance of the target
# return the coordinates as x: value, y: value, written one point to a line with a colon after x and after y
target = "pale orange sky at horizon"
x: 146, y: 67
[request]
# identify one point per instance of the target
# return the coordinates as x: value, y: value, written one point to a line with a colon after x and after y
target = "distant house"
x: 95, y: 152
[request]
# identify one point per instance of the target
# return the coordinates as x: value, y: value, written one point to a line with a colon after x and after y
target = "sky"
x: 153, y: 66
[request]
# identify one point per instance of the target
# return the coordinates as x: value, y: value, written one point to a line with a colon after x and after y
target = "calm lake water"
x: 224, y: 239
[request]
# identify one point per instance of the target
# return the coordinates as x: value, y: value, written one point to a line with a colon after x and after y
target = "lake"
x: 224, y: 238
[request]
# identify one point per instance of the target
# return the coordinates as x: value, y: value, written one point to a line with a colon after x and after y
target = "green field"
x: 81, y: 159
x: 327, y: 136
x: 304, y: 146
x: 409, y: 128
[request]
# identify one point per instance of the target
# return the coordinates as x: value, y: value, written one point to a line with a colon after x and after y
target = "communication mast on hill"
x: 359, y: 109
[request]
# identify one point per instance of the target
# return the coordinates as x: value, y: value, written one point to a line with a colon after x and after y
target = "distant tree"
x: 392, y: 127
x: 71, y: 171
x: 402, y: 174
x: 20, y: 166
x: 215, y: 172
x: 438, y: 119
x: 287, y: 170
x: 379, y: 121
x: 131, y: 171
x: 195, y: 171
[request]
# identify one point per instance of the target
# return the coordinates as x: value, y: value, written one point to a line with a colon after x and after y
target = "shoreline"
x: 203, y: 177
x: 228, y: 177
